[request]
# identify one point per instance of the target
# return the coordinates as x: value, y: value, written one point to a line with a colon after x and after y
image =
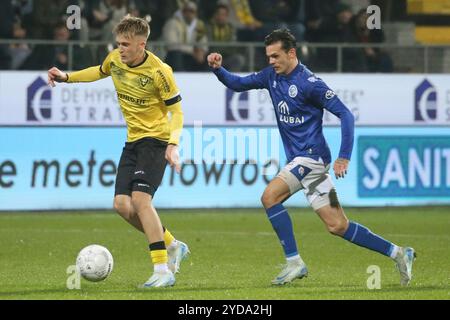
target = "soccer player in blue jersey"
x: 299, y: 99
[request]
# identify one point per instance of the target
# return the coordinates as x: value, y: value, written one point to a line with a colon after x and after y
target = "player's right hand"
x: 56, y: 75
x: 173, y: 157
x: 214, y: 60
x: 340, y: 167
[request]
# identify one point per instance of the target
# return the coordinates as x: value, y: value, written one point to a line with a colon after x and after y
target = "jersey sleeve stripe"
x: 173, y: 100
x: 101, y: 71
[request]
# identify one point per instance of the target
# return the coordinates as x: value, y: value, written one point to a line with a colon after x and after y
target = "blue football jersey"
x: 299, y: 100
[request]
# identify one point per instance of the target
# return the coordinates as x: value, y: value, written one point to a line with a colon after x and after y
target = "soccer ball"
x: 95, y: 263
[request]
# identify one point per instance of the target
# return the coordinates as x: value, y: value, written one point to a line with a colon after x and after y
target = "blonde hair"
x: 132, y: 26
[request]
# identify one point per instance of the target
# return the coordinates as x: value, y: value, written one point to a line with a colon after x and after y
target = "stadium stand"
x: 414, y: 36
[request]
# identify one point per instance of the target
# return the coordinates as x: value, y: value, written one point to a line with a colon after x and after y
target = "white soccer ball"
x: 95, y: 262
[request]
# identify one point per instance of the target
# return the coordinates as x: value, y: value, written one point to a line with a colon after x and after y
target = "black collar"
x: 145, y: 58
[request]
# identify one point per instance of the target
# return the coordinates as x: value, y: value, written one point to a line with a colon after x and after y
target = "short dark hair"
x: 285, y: 36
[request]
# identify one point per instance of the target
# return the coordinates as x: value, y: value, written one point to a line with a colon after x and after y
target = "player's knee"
x: 139, y: 204
x: 338, y: 227
x: 122, y: 208
x: 136, y: 204
x: 268, y: 198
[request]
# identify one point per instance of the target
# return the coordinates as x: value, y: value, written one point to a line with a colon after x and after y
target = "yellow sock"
x: 168, y: 238
x: 159, y: 256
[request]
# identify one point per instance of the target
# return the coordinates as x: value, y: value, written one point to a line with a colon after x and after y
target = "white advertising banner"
x: 374, y: 99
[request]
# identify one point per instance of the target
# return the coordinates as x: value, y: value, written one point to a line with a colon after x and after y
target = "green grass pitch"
x: 235, y: 254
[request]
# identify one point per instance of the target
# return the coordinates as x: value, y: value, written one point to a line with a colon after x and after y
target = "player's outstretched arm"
x: 86, y: 75
x: 214, y: 60
x: 56, y: 75
x: 232, y: 81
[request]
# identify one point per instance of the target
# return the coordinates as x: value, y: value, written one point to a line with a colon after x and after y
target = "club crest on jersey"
x: 293, y: 91
x: 301, y: 171
x: 143, y: 80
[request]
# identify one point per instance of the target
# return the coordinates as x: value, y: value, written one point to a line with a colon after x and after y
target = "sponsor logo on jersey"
x: 131, y: 99
x: 284, y: 114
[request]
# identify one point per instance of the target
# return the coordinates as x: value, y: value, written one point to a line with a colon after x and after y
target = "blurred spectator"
x: 103, y: 16
x: 186, y: 40
x: 221, y: 30
x: 45, y: 56
x: 293, y: 18
x: 22, y: 7
x: 353, y: 59
x: 242, y: 18
x: 342, y: 32
x: 337, y: 29
x: 357, y: 5
x: 6, y: 32
x: 376, y: 58
x: 275, y: 14
x: 19, y: 52
x: 46, y: 16
x: 268, y: 12
x: 321, y: 18
x: 23, y: 11
x: 155, y: 11
x: 208, y: 8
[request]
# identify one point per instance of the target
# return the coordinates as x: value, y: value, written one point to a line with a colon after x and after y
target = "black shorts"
x: 141, y: 166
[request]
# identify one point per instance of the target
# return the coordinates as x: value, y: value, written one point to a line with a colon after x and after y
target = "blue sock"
x: 281, y: 223
x: 360, y: 235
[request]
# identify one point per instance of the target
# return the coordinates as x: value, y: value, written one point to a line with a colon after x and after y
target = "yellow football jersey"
x: 145, y: 92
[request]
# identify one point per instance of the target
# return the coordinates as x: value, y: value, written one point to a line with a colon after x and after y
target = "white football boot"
x: 160, y: 279
x: 292, y: 270
x: 176, y: 255
x: 404, y: 262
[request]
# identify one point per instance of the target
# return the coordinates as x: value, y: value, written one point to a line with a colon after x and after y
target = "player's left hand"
x: 56, y: 75
x: 173, y: 157
x: 340, y: 167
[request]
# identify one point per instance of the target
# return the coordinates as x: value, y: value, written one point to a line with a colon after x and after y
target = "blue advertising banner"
x: 403, y: 166
x: 46, y: 168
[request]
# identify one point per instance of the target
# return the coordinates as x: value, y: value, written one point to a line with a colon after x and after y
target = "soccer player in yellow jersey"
x: 146, y: 92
